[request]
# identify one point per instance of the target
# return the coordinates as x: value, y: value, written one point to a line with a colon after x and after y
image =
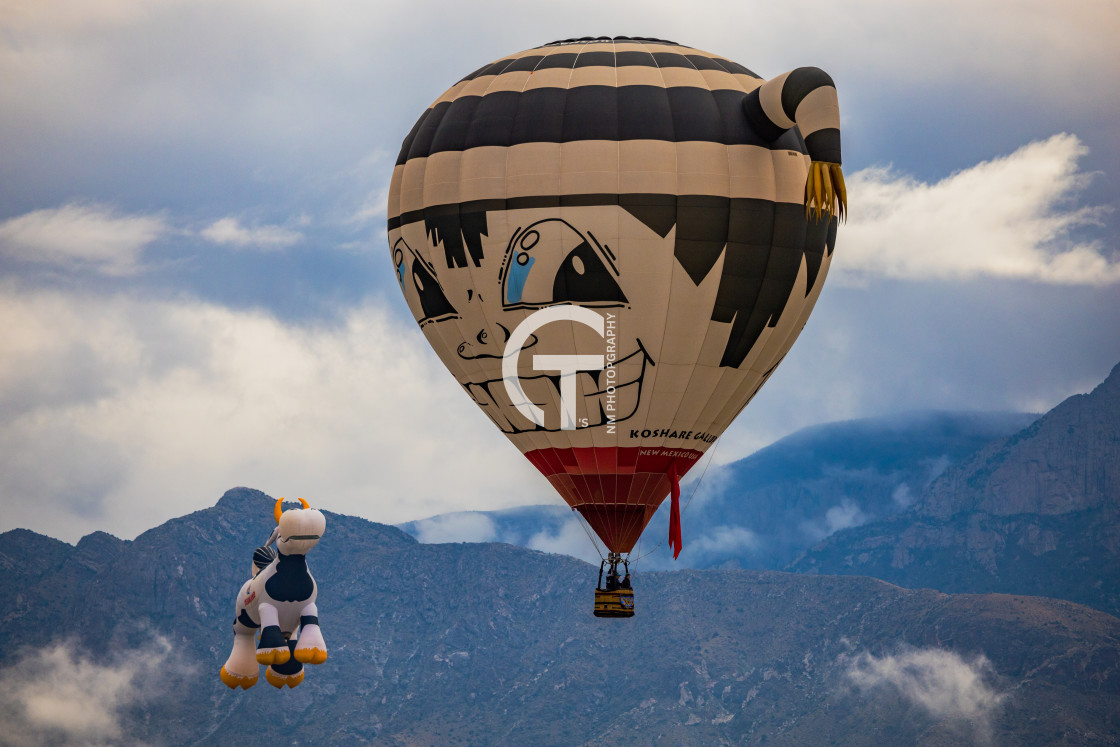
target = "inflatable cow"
x: 278, y: 600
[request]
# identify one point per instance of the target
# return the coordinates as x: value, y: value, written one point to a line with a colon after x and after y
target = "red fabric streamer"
x: 675, y: 513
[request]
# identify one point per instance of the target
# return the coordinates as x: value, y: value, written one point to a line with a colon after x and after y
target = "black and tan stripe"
x: 612, y: 91
x: 622, y: 115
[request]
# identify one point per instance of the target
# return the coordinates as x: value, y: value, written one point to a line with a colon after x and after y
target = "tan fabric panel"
x: 490, y: 162
x: 718, y: 80
x: 477, y: 87
x: 647, y: 166
x: 639, y: 76
x: 394, y: 204
x: 589, y: 166
x: 818, y: 111
x: 683, y: 76
x: 515, y: 81
x: 770, y: 95
x: 553, y: 77
x: 592, y: 76
x: 533, y: 158
x: 595, y: 166
x: 790, y: 171
x: 631, y: 75
x: 703, y: 168
x: 441, y: 179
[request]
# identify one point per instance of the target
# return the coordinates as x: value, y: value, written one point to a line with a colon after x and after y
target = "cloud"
x: 109, y: 401
x: 723, y: 541
x: 940, y: 682
x: 1010, y: 217
x: 468, y: 526
x: 844, y: 515
x: 570, y: 539
x: 81, y: 237
x: 229, y: 231
x: 57, y: 695
x: 902, y: 496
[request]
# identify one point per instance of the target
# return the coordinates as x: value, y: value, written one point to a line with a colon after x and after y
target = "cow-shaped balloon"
x: 278, y: 600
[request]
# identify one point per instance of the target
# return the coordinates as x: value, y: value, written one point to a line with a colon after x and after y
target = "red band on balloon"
x: 616, y: 489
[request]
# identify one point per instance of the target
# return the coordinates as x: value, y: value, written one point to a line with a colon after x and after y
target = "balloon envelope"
x: 606, y: 243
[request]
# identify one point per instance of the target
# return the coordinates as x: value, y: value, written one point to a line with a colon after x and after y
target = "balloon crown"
x: 586, y: 39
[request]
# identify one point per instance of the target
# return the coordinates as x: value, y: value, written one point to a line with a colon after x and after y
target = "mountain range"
x: 1004, y: 545
x: 120, y: 642
x: 1037, y: 512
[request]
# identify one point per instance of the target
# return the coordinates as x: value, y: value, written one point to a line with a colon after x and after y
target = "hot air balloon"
x: 612, y: 243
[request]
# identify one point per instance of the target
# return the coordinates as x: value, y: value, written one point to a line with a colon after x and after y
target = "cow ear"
x: 273, y: 537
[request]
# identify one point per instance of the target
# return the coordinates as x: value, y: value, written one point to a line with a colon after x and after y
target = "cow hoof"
x: 234, y: 681
x: 311, y: 655
x: 273, y: 655
x: 278, y: 680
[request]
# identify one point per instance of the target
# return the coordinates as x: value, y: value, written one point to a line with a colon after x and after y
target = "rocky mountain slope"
x: 494, y: 644
x: 1035, y: 513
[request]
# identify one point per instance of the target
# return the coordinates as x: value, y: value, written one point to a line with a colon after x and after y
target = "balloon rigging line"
x: 594, y: 544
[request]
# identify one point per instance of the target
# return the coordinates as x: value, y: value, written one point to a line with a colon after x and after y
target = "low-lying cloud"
x: 731, y: 540
x: 79, y: 237
x: 58, y: 695
x: 844, y: 515
x: 466, y: 526
x: 570, y: 538
x: 940, y: 682
x: 1010, y: 217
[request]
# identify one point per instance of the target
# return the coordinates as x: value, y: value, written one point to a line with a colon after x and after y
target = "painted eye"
x: 566, y: 266
x: 433, y: 301
x: 583, y: 277
x: 434, y: 304
x: 482, y: 335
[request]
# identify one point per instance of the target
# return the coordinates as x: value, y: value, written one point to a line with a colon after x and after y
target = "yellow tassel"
x: 825, y: 191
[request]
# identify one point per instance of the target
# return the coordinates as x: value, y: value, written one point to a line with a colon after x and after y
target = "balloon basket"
x: 616, y: 603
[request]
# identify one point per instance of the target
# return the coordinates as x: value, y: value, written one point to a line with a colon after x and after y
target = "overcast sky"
x: 195, y: 290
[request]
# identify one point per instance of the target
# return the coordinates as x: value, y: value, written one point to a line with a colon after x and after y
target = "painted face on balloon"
x: 470, y: 294
x: 680, y: 309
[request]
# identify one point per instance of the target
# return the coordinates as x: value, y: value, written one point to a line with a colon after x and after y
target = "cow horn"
x: 277, y: 510
x: 304, y: 503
